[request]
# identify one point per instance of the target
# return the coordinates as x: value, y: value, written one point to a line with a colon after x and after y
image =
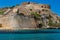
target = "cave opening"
x: 39, y: 25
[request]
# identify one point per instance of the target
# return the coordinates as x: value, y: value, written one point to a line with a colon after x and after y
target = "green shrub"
x: 1, y: 12
x: 36, y: 15
x: 30, y: 9
x: 53, y: 24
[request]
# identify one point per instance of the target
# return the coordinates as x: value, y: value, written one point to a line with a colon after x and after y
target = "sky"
x: 55, y: 4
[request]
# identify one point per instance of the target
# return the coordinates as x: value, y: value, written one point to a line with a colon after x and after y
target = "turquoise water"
x: 38, y: 36
x: 49, y: 34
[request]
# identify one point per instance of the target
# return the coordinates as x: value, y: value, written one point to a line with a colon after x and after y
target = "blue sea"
x: 30, y: 36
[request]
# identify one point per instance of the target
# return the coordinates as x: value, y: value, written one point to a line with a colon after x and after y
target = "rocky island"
x: 28, y: 15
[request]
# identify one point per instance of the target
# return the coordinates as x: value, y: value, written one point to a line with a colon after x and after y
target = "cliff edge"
x: 28, y: 15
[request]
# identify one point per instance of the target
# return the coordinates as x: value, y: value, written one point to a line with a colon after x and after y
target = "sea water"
x: 30, y: 36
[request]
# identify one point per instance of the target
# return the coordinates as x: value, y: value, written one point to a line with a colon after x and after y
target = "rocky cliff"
x: 29, y: 15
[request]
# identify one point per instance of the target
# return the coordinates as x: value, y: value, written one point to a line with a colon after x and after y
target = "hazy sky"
x: 55, y: 4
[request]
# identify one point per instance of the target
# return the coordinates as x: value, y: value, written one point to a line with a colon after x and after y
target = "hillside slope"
x: 29, y: 15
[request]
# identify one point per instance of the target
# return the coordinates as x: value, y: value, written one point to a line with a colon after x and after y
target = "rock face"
x: 26, y: 22
x: 11, y: 19
x: 28, y: 15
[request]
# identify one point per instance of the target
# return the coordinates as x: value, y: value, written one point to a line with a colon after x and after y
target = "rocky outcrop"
x: 12, y: 19
x: 29, y: 15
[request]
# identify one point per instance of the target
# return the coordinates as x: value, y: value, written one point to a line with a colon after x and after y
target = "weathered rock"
x: 21, y: 16
x: 13, y: 20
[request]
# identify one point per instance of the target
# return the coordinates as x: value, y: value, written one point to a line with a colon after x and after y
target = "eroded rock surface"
x: 21, y: 16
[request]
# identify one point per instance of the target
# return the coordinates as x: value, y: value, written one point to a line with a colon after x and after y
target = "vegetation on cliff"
x: 31, y: 15
x: 1, y: 12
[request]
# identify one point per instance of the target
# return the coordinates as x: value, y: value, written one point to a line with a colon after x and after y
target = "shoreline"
x: 26, y: 28
x: 30, y: 31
